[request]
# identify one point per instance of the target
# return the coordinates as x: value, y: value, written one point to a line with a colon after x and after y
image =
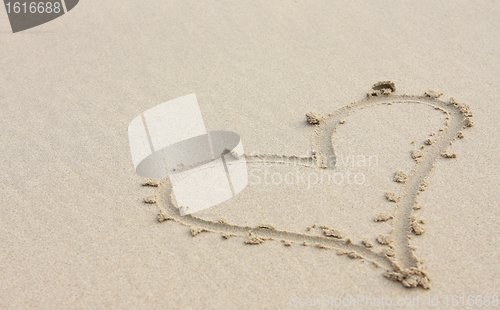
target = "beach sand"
x: 75, y: 231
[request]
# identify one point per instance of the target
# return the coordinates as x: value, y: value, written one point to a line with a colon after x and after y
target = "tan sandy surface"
x: 74, y: 232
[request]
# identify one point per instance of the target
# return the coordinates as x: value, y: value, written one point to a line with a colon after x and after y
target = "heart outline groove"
x: 398, y: 259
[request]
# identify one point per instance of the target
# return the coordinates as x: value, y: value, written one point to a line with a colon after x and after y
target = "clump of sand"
x: 367, y: 243
x: 448, y: 155
x: 195, y: 231
x: 416, y: 154
x: 151, y: 182
x: 392, y: 197
x: 149, y: 199
x: 266, y: 226
x: 354, y: 255
x: 334, y: 233
x: 227, y: 236
x: 383, y: 217
x: 411, y: 277
x: 382, y: 88
x: 164, y: 216
x: 423, y: 185
x: 314, y: 118
x: 384, y: 239
x: 433, y: 94
x: 417, y: 226
x: 400, y: 177
x: 254, y: 239
x: 321, y: 246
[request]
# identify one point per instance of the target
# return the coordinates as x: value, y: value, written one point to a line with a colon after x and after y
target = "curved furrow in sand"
x: 169, y: 211
x: 399, y: 261
x: 407, y: 268
x: 402, y: 221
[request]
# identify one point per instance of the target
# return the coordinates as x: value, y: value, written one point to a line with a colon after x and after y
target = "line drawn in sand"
x: 398, y: 258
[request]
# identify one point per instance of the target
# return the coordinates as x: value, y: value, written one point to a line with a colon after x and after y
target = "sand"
x: 416, y: 214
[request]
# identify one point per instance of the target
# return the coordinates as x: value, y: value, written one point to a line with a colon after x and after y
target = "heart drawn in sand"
x: 398, y: 259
